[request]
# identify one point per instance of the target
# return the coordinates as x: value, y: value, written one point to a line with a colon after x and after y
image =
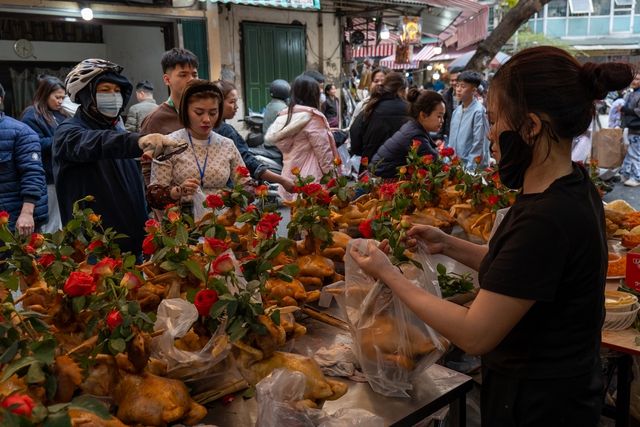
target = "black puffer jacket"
x: 448, y: 111
x: 369, y: 133
x: 393, y: 153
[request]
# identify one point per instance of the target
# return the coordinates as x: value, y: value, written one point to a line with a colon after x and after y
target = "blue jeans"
x: 631, y: 163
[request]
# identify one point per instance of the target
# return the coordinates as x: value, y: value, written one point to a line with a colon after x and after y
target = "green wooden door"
x: 194, y: 34
x: 270, y: 52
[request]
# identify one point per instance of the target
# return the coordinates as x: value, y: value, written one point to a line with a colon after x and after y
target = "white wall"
x: 230, y: 42
x: 138, y: 50
x: 54, y: 51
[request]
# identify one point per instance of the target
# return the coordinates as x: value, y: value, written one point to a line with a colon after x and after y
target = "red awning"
x: 473, y: 30
x: 451, y: 54
x: 390, y: 62
x: 427, y: 52
x: 369, y: 48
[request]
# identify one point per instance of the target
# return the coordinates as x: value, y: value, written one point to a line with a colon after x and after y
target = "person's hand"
x: 190, y: 186
x: 153, y: 145
x: 25, y: 224
x: 287, y: 183
x: 376, y: 261
x: 433, y: 237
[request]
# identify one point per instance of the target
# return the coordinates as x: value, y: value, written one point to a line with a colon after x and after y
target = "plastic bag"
x: 343, y: 151
x: 176, y: 316
x: 279, y: 397
x: 197, y: 200
x: 392, y: 344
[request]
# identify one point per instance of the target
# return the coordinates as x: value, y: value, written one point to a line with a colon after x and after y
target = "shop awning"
x: 450, y: 54
x: 382, y: 50
x: 427, y: 52
x: 390, y: 62
x: 295, y: 4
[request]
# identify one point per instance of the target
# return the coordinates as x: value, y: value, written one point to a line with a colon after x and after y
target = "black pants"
x: 567, y: 402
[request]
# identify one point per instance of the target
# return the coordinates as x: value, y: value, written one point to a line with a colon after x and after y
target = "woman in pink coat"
x: 302, y: 134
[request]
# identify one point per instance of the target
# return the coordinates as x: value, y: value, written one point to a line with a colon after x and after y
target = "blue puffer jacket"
x: 21, y: 173
x: 393, y: 152
x: 45, y: 131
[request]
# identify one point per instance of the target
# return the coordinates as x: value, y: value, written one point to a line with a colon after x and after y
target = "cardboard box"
x: 633, y: 269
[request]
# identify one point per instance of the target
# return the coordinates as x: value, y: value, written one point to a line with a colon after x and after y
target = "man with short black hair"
x: 469, y: 125
x: 450, y: 103
x: 146, y: 104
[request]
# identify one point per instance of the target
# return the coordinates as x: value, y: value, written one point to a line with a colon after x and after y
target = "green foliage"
x: 453, y: 283
x: 524, y: 39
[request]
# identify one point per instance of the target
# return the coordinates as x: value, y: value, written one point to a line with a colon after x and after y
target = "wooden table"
x: 434, y: 389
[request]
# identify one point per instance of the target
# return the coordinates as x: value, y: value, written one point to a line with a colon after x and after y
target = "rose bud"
x: 130, y: 281
x: 151, y: 226
x: 445, y: 168
x: 405, y: 222
x: 95, y: 219
x: 273, y: 219
x: 337, y: 161
x: 20, y: 404
x: 36, y: 240
x: 103, y: 269
x: 324, y: 198
x: 331, y: 183
x: 29, y: 249
x: 148, y: 248
x: 242, y: 172
x: 428, y: 159
x: 4, y: 217
x: 213, y: 247
x: 46, y: 260
x: 79, y: 284
x: 415, y: 144
x: 493, y: 200
x: 251, y: 208
x: 173, y: 217
x: 422, y: 174
x: 214, y: 201
x: 364, y: 162
x: 223, y: 265
x: 205, y: 300
x: 94, y: 245
x: 295, y: 171
x: 113, y: 319
x: 365, y: 179
x: 402, y: 170
x: 262, y: 191
x: 365, y: 228
x: 477, y: 159
x: 264, y: 230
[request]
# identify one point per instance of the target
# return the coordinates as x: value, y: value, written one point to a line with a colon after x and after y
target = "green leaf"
x: 234, y: 237
x: 218, y: 308
x: 57, y: 238
x: 182, y: 271
x: 168, y: 241
x: 78, y: 304
x: 45, y: 350
x: 85, y: 403
x: 117, y: 346
x: 134, y: 307
x: 160, y: 254
x: 191, y: 295
x: 35, y: 373
x: 238, y: 334
x: 291, y: 269
x: 51, y: 386
x: 5, y: 234
x: 442, y: 270
x: 182, y: 235
x: 18, y: 365
x: 244, y: 217
x: 275, y: 251
x: 275, y: 316
x: 129, y: 261
x: 232, y: 308
x: 249, y: 393
x: 149, y: 318
x: 59, y: 419
x: 90, y: 328
x: 194, y: 268
x: 9, y: 354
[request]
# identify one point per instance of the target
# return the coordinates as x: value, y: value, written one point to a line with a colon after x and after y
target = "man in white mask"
x: 94, y: 155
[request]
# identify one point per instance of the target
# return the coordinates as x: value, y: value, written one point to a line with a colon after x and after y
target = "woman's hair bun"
x: 413, y: 95
x: 600, y: 79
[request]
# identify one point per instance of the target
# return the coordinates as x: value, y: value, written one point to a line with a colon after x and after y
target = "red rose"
x: 337, y: 161
x: 248, y: 258
x: 262, y: 191
x: 422, y: 174
x: 477, y: 160
x: 295, y: 171
x: 312, y: 190
x: 477, y: 187
x: 264, y: 230
x: 331, y: 183
x: 488, y: 170
x: 495, y: 177
x: 213, y: 247
x: 103, y: 269
x: 447, y: 152
x: 151, y: 226
x: 387, y: 191
x: 365, y: 228
x: 251, y: 208
x: 455, y: 160
x: 411, y: 169
x: 173, y: 217
x: 205, y: 300
x: 324, y: 198
x: 222, y: 265
x: 130, y: 281
x: 24, y: 402
x: 148, y: 248
x: 428, y: 159
x: 94, y: 245
x: 46, y: 260
x: 364, y: 161
x: 493, y: 200
x: 365, y: 179
x: 29, y: 249
x: 242, y: 172
x: 273, y: 219
x: 446, y: 168
x: 36, y: 240
x: 169, y: 206
x: 415, y: 144
x: 113, y: 319
x: 214, y: 201
x: 4, y: 217
x: 79, y: 284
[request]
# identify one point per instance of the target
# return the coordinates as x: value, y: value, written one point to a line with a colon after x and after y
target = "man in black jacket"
x: 450, y: 103
x: 94, y: 155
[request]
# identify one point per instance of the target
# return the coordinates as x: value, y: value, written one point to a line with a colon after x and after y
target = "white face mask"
x: 109, y: 104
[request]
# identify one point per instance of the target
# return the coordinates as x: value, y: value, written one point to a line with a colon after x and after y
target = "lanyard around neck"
x: 170, y: 102
x: 206, y: 158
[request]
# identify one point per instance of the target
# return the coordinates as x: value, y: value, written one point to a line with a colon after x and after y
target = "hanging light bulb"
x: 429, y: 67
x: 437, y: 50
x: 436, y: 76
x: 86, y: 12
x: 384, y: 33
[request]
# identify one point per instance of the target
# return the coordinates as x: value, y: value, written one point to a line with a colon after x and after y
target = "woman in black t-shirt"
x: 331, y: 106
x: 537, y: 317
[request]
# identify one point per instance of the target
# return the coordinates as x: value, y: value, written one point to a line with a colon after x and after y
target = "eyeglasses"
x: 166, y: 156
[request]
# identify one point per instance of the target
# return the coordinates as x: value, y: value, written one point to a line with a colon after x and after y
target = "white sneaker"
x: 631, y: 183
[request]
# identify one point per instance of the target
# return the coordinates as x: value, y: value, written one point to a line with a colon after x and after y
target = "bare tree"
x: 489, y: 47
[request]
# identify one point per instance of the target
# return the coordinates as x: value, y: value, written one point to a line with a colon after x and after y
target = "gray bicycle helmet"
x: 86, y: 71
x: 280, y: 89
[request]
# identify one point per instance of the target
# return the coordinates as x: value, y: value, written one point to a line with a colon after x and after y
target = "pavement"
x: 620, y: 191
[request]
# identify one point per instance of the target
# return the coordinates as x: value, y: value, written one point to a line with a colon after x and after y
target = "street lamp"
x: 384, y: 33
